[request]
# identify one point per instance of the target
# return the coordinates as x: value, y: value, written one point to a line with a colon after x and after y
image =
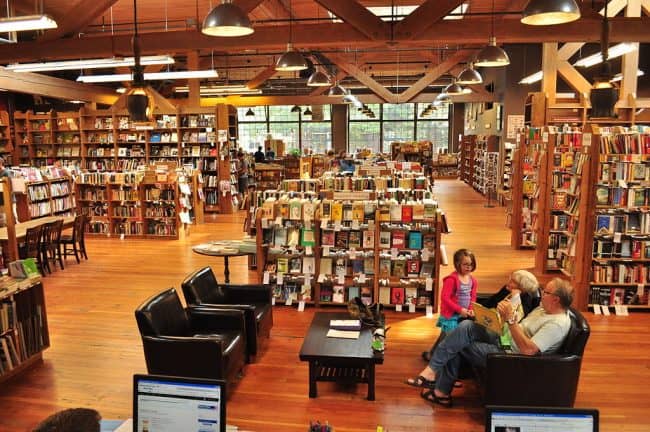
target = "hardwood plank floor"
x: 96, y: 346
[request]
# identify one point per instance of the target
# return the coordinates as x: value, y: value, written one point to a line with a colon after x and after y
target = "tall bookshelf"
x: 486, y: 151
x: 6, y: 138
x: 466, y: 162
x: 528, y: 183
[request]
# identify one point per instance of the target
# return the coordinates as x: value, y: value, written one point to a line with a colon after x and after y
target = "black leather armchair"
x: 202, y: 289
x: 191, y: 343
x: 543, y: 380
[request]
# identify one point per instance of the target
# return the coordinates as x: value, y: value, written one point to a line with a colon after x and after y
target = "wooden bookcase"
x: 528, y: 183
x: 466, y: 162
x: 26, y: 336
x: 268, y: 176
x: 486, y: 147
x: 6, y: 138
x: 49, y: 197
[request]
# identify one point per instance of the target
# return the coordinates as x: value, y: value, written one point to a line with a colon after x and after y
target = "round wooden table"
x: 219, y: 250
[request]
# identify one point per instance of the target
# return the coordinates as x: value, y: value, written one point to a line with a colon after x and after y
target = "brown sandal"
x: 420, y: 382
x: 430, y: 396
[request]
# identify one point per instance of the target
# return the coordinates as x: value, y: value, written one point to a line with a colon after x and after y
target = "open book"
x: 488, y: 318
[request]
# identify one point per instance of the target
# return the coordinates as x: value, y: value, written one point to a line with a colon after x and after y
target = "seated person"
x: 542, y: 331
x: 270, y: 154
x: 521, y: 282
x: 71, y: 420
x: 259, y: 155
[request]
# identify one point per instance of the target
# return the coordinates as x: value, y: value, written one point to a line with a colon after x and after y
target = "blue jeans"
x: 470, y: 341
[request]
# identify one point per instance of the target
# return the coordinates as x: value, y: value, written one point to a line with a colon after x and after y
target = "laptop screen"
x: 537, y: 419
x: 172, y: 404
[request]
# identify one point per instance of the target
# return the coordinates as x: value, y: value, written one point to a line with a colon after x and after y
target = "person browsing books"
x: 542, y: 331
x: 259, y: 155
x: 522, y: 283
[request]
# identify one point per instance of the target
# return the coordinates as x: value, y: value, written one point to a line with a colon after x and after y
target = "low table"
x: 336, y: 359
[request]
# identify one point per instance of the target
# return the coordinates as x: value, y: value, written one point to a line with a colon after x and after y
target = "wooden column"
x: 194, y: 84
x: 630, y: 64
x: 339, y: 127
x: 549, y: 71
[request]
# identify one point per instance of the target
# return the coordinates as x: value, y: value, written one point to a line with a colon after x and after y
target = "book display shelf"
x: 44, y: 194
x: 6, y: 142
x: 466, y: 161
x: 412, y: 151
x: 24, y: 331
x: 529, y: 158
x: 329, y: 251
x: 561, y: 204
x: 125, y: 205
x: 268, y: 175
x: 486, y: 153
x: 618, y: 230
x: 445, y: 166
x: 291, y: 166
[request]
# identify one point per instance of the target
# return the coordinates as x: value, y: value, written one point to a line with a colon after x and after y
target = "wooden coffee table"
x: 335, y: 359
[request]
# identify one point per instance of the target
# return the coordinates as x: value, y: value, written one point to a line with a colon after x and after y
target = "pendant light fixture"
x: 550, y: 12
x: 137, y: 101
x: 492, y: 55
x: 453, y: 89
x: 295, y: 109
x: 442, y: 99
x: 319, y: 79
x: 250, y: 113
x: 469, y: 76
x: 227, y: 20
x: 336, y: 90
x: 308, y: 111
x: 291, y: 60
x: 603, y: 95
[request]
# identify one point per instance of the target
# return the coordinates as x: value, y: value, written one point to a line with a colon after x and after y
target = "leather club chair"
x: 542, y: 380
x: 191, y: 343
x: 201, y: 289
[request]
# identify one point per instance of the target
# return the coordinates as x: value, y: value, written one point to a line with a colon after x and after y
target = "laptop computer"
x: 547, y: 419
x: 172, y: 404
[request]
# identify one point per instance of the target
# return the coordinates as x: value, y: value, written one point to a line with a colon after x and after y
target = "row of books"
x: 99, y: 165
x: 39, y: 209
x: 162, y: 193
x: 631, y: 197
x: 281, y: 236
x: 628, y: 143
x: 633, y: 222
x: 62, y: 203
x: 380, y: 183
x: 609, y: 247
x: 621, y: 272
x: 59, y: 188
x: 610, y: 296
x: 629, y: 172
x: 126, y: 211
x: 104, y: 178
x: 397, y: 295
x: 300, y: 185
x: 127, y: 228
x: 161, y: 228
x: 128, y: 194
x: 160, y: 211
x: 68, y: 151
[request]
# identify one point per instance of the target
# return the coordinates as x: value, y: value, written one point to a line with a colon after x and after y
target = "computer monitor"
x: 172, y: 404
x: 540, y: 419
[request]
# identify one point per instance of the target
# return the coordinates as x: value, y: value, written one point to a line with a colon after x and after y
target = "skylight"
x: 386, y: 12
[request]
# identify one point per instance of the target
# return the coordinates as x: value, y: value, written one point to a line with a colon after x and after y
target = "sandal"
x: 420, y: 382
x: 430, y: 396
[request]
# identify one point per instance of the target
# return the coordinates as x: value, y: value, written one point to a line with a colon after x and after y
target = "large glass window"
x: 397, y: 131
x: 317, y: 136
x: 398, y: 111
x: 282, y: 113
x: 252, y: 135
x: 287, y: 132
x: 434, y: 127
x: 364, y: 135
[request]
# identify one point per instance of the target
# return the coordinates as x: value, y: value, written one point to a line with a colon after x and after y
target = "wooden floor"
x: 96, y: 347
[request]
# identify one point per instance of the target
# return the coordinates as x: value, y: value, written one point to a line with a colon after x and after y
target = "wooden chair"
x: 73, y: 244
x: 46, y: 246
x: 31, y: 247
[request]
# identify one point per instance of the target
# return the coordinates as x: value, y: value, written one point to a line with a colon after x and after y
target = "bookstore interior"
x: 370, y: 162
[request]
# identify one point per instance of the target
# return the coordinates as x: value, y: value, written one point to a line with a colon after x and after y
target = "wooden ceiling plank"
x: 572, y: 77
x: 85, y: 12
x: 274, y: 9
x: 433, y: 74
x: 424, y: 17
x: 248, y: 5
x: 261, y: 77
x: 364, y: 78
x: 32, y: 83
x: 357, y: 16
x: 645, y: 5
x: 322, y: 35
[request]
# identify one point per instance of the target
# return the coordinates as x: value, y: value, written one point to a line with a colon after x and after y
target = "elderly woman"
x: 521, y: 282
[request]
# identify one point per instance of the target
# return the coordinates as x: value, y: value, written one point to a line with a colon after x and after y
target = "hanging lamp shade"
x: 492, y: 55
x: 291, y: 61
x: 550, y: 12
x: 307, y: 111
x: 442, y: 99
x: 250, y: 113
x: 453, y: 89
x: 336, y: 90
x: 227, y: 20
x: 319, y: 79
x: 295, y: 109
x: 469, y: 76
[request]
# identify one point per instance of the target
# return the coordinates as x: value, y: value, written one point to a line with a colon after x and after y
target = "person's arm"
x: 524, y: 343
x: 449, y: 288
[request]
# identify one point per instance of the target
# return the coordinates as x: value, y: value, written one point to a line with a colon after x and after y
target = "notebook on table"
x: 546, y: 419
x: 172, y: 404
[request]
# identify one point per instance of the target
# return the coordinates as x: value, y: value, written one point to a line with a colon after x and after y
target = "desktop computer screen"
x: 172, y: 404
x: 540, y: 419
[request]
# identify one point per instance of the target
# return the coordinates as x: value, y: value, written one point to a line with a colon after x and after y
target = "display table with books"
x: 226, y: 249
x: 334, y: 358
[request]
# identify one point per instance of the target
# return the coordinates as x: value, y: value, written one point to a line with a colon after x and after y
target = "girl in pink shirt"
x: 458, y: 291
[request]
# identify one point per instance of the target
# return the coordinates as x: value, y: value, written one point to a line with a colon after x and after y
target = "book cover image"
x: 358, y: 211
x: 293, y: 236
x: 368, y: 239
x: 407, y: 213
x: 357, y: 266
x: 399, y: 268
x: 326, y: 266
x: 384, y: 295
x: 347, y: 211
x: 369, y: 266
x: 295, y: 265
x: 283, y: 265
x: 397, y: 295
x: 426, y: 269
x: 399, y: 239
x: 413, y: 267
x: 396, y: 212
x: 307, y: 237
x: 326, y: 210
x: 326, y: 292
x: 354, y: 239
x: 366, y: 295
x: 384, y: 239
x: 429, y: 241
x: 309, y: 265
x: 384, y: 267
x: 415, y: 240
x: 280, y: 236
x: 338, y: 294
x: 342, y: 239
x: 327, y: 238
x: 411, y: 294
x: 340, y: 267
x: 337, y: 211
x: 353, y: 292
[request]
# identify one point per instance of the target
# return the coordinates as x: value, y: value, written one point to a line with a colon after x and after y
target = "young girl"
x: 458, y: 291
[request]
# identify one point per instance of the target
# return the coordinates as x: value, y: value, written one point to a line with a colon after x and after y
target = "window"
x: 287, y: 132
x: 434, y: 127
x: 252, y: 135
x: 398, y: 111
x: 364, y: 134
x: 317, y: 136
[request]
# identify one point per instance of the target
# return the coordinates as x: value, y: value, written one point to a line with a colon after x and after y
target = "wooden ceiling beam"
x: 261, y: 77
x: 32, y: 83
x: 358, y: 17
x: 433, y: 74
x: 364, y: 78
x: 424, y: 17
x: 274, y: 9
x: 645, y: 5
x: 85, y: 12
x: 469, y: 31
x: 574, y: 78
x: 248, y: 5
